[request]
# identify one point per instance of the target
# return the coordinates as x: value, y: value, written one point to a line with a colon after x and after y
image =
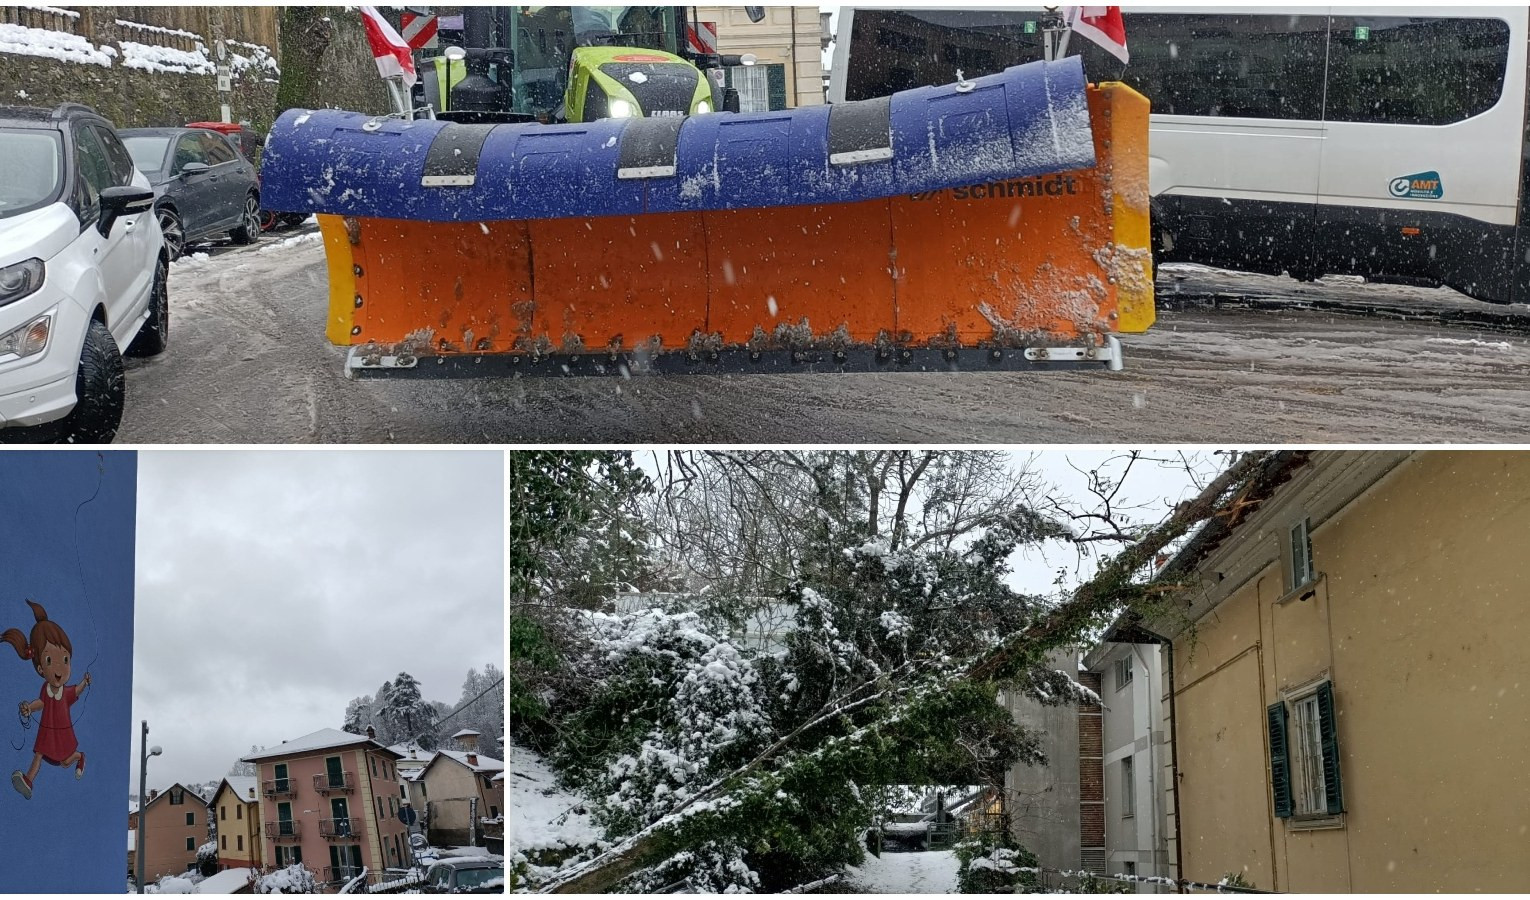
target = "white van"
x: 1384, y: 142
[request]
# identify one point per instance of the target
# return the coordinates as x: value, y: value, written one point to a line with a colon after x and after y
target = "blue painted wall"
x: 66, y: 541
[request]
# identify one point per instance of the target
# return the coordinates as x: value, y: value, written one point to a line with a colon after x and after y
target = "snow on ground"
x: 542, y: 815
x: 292, y: 241
x: 928, y: 872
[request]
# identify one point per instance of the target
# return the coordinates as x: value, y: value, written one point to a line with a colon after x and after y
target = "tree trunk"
x: 306, y: 32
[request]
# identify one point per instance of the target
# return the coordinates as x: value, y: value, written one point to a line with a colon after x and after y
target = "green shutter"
x: 1280, y: 760
x: 1328, y: 730
x: 775, y: 74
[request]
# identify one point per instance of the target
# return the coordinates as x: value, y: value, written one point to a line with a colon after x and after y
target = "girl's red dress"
x: 55, y: 733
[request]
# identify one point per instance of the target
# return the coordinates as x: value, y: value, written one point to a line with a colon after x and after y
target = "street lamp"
x: 144, y: 752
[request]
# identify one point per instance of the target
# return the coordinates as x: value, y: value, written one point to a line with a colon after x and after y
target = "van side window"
x: 1414, y: 71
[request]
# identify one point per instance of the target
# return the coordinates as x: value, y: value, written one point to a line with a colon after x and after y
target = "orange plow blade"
x: 1036, y: 272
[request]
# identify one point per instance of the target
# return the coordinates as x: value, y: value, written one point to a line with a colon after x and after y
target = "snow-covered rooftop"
x: 323, y: 739
x: 467, y: 732
x: 410, y: 750
x: 484, y: 764
x: 243, y: 786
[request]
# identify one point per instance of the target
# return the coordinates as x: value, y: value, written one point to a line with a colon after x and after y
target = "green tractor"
x: 556, y: 64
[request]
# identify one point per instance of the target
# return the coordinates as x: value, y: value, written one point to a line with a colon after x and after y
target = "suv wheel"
x: 175, y: 234
x: 100, y: 391
x: 248, y: 231
x: 154, y: 336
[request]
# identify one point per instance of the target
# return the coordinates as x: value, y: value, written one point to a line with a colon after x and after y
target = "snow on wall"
x: 57, y: 45
x: 53, y: 10
x: 124, y: 23
x: 154, y: 58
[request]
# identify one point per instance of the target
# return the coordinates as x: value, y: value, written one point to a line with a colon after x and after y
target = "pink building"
x: 329, y: 800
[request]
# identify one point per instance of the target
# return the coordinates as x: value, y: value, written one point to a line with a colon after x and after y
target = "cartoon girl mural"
x: 50, y: 652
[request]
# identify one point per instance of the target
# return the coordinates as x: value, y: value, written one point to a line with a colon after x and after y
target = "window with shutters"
x: 1304, y: 757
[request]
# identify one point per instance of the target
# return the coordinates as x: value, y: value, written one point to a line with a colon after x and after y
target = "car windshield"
x: 147, y: 150
x: 34, y: 170
x: 472, y: 878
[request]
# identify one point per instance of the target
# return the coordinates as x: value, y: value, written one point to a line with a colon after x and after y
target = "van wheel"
x: 154, y: 336
x: 100, y: 391
x: 248, y: 231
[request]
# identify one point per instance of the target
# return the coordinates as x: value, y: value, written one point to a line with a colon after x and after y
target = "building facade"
x: 330, y: 801
x: 174, y: 824
x: 787, y: 45
x: 1044, y: 801
x: 1347, y: 713
x: 236, y: 818
x: 452, y: 781
x: 1132, y: 768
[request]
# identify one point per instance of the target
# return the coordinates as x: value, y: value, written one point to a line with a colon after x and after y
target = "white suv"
x: 82, y: 273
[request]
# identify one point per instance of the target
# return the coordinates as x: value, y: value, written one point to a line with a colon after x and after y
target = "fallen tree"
x: 871, y: 716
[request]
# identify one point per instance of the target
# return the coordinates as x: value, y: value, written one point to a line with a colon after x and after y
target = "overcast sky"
x: 274, y: 586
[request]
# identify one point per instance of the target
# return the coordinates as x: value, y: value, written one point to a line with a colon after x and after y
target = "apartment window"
x: 1128, y: 788
x: 191, y: 818
x: 239, y: 842
x: 373, y: 760
x: 222, y: 842
x: 177, y: 796
x: 493, y: 812
x: 1123, y: 672
x: 1304, y: 755
x: 1129, y: 869
x: 191, y: 844
x: 223, y: 813
x: 1301, y: 572
x: 239, y: 812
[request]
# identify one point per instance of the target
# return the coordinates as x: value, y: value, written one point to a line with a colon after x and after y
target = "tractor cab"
x: 573, y: 64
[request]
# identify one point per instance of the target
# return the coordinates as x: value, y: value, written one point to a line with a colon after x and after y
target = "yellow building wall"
x: 1227, y: 827
x: 1422, y: 619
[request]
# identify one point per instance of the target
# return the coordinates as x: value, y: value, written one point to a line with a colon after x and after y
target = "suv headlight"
x: 28, y: 340
x: 20, y: 280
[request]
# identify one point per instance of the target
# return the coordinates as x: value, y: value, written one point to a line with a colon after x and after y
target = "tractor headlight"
x: 703, y: 107
x: 621, y: 109
x: 20, y: 280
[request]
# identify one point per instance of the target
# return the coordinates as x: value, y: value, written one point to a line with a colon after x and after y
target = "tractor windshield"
x: 544, y: 36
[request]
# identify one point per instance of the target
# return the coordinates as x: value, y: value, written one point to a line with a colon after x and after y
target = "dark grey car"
x: 203, y: 185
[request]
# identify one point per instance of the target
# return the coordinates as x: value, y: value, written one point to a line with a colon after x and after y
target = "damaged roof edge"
x: 1129, y: 627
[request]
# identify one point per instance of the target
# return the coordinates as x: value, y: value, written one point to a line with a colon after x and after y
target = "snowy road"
x: 927, y: 872
x: 248, y: 362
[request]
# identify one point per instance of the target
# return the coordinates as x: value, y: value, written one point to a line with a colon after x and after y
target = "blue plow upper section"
x: 1028, y: 120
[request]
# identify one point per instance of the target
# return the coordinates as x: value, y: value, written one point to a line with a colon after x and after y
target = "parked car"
x: 203, y: 185
x: 83, y: 272
x: 251, y: 143
x: 466, y: 875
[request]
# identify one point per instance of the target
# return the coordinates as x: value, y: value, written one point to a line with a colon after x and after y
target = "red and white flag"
x: 1101, y: 24
x: 389, y: 49
x: 419, y: 30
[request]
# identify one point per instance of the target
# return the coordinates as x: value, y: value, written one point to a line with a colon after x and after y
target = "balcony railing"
x: 341, y: 873
x: 334, y: 781
x: 284, y: 830
x: 333, y: 829
x: 280, y: 787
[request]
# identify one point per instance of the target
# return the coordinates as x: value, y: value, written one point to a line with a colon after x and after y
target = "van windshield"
x: 34, y: 163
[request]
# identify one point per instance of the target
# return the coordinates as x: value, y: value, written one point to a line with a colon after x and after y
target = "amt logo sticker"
x: 1423, y: 186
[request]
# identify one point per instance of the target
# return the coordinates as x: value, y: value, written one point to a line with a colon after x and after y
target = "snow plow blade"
x: 997, y: 224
